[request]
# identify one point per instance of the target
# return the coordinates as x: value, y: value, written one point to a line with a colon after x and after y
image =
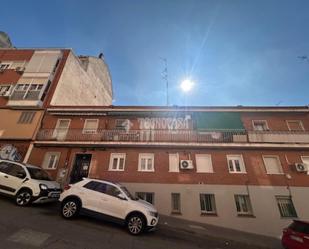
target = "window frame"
x: 169, y: 162
x: 90, y: 131
x: 278, y: 160
x: 117, y: 156
x: 146, y: 156
x: 247, y: 202
x: 286, y: 197
x: 261, y: 121
x: 175, y: 211
x: 242, y: 164
x: 299, y: 122
x: 3, y: 94
x: 24, y: 119
x: 9, y: 65
x: 47, y: 157
x: 137, y: 194
x: 213, y: 203
x: 210, y: 160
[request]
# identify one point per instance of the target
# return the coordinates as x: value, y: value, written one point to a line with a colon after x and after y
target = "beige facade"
x: 13, y: 126
x: 266, y: 219
x: 84, y: 81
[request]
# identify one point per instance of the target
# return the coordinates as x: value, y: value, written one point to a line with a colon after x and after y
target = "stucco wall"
x: 11, y: 129
x: 266, y: 220
x: 80, y: 85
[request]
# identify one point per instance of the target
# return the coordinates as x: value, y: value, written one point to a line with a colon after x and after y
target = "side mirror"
x: 121, y: 197
x: 21, y: 175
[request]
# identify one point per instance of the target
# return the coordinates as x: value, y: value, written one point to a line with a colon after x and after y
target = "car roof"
x: 103, y: 181
x: 21, y: 163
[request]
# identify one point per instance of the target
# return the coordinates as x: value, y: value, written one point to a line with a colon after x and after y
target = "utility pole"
x: 164, y: 74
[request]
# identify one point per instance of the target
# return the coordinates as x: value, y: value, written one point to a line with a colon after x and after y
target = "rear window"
x: 299, y: 227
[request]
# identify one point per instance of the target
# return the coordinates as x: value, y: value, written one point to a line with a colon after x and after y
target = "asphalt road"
x: 41, y: 226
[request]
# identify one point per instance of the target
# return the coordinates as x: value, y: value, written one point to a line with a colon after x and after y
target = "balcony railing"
x: 192, y: 136
x: 142, y: 136
x: 22, y: 95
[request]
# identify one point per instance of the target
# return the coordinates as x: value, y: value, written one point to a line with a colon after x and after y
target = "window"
x: 61, y: 129
x: 203, y: 163
x: 299, y: 227
x: 120, y: 124
x: 90, y: 126
x: 5, y: 90
x: 243, y: 204
x: 208, y: 205
x: 146, y: 162
x: 286, y: 207
x: 260, y: 125
x: 173, y: 162
x: 26, y: 117
x: 146, y: 196
x: 176, y: 203
x: 4, y: 65
x: 272, y: 165
x: 295, y: 125
x: 5, y: 167
x: 236, y: 164
x: 102, y: 188
x: 117, y: 161
x: 51, y: 160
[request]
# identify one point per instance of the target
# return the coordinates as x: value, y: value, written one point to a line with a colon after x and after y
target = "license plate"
x: 296, y: 238
x: 54, y: 195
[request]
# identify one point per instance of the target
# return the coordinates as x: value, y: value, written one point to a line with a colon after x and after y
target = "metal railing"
x: 142, y: 135
x: 22, y: 95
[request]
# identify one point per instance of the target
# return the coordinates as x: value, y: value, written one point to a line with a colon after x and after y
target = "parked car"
x: 111, y: 201
x: 27, y: 183
x: 296, y: 235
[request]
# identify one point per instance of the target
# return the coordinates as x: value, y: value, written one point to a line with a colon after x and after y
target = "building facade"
x: 32, y: 80
x: 243, y: 168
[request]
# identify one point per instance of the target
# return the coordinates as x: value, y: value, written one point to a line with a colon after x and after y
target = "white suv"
x: 27, y: 183
x: 111, y: 201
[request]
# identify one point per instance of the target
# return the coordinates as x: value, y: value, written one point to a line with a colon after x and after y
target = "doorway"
x: 80, y: 167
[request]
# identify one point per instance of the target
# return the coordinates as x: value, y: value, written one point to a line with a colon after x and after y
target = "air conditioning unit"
x: 301, y: 167
x: 20, y: 69
x: 186, y: 164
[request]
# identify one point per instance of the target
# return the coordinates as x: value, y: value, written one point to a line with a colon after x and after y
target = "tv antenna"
x: 164, y: 75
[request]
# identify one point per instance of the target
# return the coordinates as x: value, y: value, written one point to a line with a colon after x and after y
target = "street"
x: 41, y: 226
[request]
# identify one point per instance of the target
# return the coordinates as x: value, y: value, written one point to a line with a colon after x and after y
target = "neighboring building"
x: 33, y: 79
x: 238, y: 167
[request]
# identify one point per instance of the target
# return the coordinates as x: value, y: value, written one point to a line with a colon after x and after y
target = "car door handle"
x: 306, y: 237
x: 6, y: 176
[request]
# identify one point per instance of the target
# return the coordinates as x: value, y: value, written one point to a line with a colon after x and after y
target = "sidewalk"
x: 200, y: 230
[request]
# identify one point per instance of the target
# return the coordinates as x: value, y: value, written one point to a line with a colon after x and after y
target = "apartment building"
x: 244, y: 168
x: 32, y: 80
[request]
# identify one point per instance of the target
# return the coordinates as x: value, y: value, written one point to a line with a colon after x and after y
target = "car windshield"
x: 124, y: 189
x: 38, y: 174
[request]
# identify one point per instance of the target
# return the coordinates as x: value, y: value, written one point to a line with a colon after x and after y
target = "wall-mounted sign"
x: 164, y: 123
x: 9, y: 152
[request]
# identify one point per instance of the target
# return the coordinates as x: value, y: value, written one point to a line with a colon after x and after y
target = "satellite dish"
x: 5, y: 41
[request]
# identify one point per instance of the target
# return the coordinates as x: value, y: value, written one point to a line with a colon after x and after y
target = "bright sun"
x: 187, y: 85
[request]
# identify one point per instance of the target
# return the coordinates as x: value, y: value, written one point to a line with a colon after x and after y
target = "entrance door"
x: 81, y: 167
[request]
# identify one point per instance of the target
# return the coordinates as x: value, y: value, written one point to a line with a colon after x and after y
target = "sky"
x: 236, y: 52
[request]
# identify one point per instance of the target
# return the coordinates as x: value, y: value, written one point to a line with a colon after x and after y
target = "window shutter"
x: 203, y: 163
x: 173, y: 163
x: 272, y: 165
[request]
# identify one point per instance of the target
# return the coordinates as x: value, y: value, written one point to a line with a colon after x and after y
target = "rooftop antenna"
x: 164, y: 74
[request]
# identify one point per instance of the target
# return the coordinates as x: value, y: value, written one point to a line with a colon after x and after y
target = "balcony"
x: 24, y: 95
x: 142, y: 136
x: 180, y: 136
x: 278, y: 137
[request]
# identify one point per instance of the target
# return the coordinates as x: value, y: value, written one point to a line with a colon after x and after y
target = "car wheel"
x: 23, y: 197
x: 135, y: 224
x: 70, y: 208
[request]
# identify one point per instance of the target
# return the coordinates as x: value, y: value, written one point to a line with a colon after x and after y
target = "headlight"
x: 43, y: 187
x: 151, y: 213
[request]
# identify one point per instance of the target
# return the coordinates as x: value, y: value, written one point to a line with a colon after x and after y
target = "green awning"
x: 218, y: 121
